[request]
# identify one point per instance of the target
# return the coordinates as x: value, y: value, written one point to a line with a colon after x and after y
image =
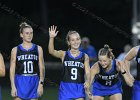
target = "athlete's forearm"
x: 42, y: 74
x: 129, y: 80
x: 12, y: 77
x: 51, y: 45
x: 2, y: 66
x: 88, y: 77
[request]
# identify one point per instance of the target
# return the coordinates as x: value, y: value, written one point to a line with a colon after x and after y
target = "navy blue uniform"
x: 107, y: 83
x: 27, y: 72
x: 136, y: 86
x: 72, y: 84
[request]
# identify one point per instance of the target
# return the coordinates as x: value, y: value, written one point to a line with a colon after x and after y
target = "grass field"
x: 50, y: 93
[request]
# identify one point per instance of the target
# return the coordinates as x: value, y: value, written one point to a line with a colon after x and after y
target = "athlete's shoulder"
x: 14, y: 49
x: 95, y: 68
x: 38, y: 46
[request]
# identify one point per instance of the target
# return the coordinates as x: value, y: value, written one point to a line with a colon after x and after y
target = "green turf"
x: 50, y: 93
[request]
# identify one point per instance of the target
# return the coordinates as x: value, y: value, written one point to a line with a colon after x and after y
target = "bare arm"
x: 94, y: 70
x: 2, y: 66
x: 52, y: 51
x: 41, y: 64
x: 42, y: 71
x: 12, y: 71
x: 87, y: 68
x: 121, y: 67
x: 12, y: 66
x: 129, y: 56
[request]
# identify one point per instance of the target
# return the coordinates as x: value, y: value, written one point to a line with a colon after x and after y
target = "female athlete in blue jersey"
x: 134, y: 53
x: 75, y: 66
x: 27, y: 67
x: 106, y: 75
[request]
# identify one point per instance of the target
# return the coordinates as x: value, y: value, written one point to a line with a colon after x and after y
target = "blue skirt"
x: 101, y: 90
x: 136, y: 90
x: 70, y: 91
x: 27, y: 86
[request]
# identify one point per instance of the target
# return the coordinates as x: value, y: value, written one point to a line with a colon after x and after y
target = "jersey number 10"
x: 28, y: 67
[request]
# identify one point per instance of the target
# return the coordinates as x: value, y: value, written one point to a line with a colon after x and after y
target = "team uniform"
x: 72, y: 84
x: 107, y: 83
x: 27, y: 72
x: 136, y: 86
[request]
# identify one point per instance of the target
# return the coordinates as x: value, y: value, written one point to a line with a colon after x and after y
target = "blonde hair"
x: 106, y: 51
x: 23, y: 25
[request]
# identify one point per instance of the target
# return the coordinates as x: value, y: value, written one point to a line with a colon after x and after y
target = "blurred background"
x: 112, y: 22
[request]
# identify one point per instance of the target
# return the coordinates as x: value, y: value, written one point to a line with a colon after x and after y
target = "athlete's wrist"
x: 41, y: 82
x: 124, y: 72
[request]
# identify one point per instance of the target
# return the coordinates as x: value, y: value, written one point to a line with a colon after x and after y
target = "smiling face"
x: 27, y: 34
x: 74, y: 41
x: 104, y: 61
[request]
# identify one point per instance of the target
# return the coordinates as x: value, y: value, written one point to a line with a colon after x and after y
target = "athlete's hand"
x: 86, y: 85
x: 40, y: 90
x: 52, y: 31
x: 88, y: 94
x: 13, y: 92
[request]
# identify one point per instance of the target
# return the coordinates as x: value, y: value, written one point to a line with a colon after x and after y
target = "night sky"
x: 100, y: 20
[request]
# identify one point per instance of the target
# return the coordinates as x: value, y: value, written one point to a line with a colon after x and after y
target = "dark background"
x: 66, y: 15
x: 103, y: 21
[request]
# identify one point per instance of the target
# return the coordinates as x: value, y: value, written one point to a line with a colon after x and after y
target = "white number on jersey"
x: 74, y: 73
x: 28, y: 67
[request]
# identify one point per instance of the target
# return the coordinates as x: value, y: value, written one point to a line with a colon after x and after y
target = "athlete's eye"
x: 29, y: 33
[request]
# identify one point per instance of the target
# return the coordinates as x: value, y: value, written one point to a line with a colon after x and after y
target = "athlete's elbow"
x: 2, y: 74
x: 50, y: 51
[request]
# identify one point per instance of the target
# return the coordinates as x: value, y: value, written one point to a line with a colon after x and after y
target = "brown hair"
x: 23, y: 25
x: 106, y: 51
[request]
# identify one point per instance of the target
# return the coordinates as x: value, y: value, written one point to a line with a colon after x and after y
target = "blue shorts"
x: 101, y: 90
x: 70, y: 91
x: 27, y: 86
x: 136, y: 90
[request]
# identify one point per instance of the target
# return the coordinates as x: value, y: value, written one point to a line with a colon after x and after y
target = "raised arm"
x: 42, y: 71
x: 127, y: 77
x: 52, y: 51
x: 12, y: 72
x: 2, y: 66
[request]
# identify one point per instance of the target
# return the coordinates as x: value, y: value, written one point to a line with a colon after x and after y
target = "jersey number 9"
x: 74, y: 73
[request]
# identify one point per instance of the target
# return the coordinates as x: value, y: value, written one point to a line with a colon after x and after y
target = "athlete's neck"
x: 74, y: 53
x: 26, y: 45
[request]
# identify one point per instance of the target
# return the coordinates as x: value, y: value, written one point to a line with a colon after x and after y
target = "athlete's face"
x: 74, y: 41
x: 27, y: 34
x: 104, y: 61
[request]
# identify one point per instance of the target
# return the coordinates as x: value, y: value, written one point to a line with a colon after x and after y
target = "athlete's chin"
x: 104, y: 67
x: 75, y: 47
